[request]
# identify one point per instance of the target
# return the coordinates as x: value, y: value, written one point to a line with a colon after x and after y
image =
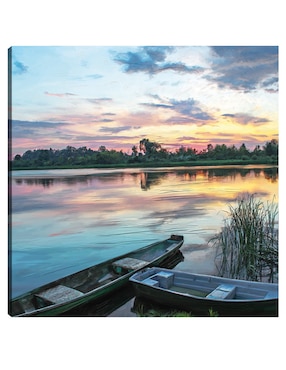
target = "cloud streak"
x: 187, y: 111
x: 98, y: 100
x: 60, y: 95
x: 28, y: 129
x: 245, y: 119
x: 94, y: 76
x: 115, y: 130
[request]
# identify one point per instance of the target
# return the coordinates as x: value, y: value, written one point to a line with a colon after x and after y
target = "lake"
x: 62, y: 221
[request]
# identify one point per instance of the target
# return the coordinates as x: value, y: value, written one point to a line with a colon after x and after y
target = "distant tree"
x: 28, y: 155
x: 271, y: 148
x: 134, y: 150
x: 210, y: 148
x: 70, y: 149
x: 147, y: 151
x: 149, y: 147
x: 243, y: 151
x: 181, y: 152
x: 209, y: 152
x: 257, y: 152
x: 220, y: 151
x: 232, y: 152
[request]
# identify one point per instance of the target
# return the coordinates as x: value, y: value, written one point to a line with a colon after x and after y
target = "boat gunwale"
x: 241, y: 284
x: 117, y: 280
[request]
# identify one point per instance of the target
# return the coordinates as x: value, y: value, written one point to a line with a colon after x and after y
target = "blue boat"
x: 199, y: 293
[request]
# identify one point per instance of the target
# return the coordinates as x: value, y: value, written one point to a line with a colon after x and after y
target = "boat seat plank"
x: 165, y: 279
x: 172, y: 246
x: 128, y: 264
x: 27, y: 306
x: 151, y: 282
x: 59, y: 294
x: 223, y: 291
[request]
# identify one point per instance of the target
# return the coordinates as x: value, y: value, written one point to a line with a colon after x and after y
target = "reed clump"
x: 247, y: 246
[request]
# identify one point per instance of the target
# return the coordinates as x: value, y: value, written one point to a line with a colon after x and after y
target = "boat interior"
x: 207, y: 287
x: 75, y: 286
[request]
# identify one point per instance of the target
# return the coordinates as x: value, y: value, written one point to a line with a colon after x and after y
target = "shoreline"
x: 88, y: 171
x: 199, y: 163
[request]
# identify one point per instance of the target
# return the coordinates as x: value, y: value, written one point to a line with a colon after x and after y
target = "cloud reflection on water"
x: 111, y: 199
x: 79, y: 220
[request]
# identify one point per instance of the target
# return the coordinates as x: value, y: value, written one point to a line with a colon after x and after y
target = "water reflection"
x: 64, y: 221
x: 148, y: 180
x: 151, y: 179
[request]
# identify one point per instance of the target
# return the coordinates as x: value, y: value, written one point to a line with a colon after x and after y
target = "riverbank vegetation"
x: 247, y: 246
x: 145, y: 308
x: 147, y: 154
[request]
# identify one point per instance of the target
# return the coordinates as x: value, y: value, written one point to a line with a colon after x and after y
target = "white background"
x: 140, y: 343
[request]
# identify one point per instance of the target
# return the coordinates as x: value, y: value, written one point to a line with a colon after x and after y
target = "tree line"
x: 147, y: 152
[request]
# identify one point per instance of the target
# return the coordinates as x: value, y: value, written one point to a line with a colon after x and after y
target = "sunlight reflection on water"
x: 65, y: 220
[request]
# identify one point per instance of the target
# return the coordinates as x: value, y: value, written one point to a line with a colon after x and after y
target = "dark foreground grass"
x: 171, y: 313
x: 147, y: 308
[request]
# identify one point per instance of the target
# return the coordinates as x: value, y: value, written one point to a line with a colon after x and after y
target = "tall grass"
x: 247, y: 246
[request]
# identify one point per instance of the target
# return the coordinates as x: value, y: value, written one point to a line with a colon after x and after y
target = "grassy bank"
x: 151, y: 164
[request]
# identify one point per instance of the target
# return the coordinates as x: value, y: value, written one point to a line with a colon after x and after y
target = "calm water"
x: 65, y: 220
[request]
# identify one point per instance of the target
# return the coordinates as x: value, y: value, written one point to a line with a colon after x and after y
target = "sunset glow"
x: 116, y: 96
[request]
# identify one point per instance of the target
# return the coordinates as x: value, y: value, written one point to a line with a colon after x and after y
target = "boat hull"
x: 93, y: 283
x: 202, y: 305
x: 87, y: 298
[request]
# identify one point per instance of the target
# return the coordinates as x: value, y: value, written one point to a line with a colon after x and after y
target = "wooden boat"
x: 110, y: 303
x: 91, y: 283
x: 198, y: 293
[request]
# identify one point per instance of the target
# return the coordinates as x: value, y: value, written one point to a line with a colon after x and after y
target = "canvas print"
x: 143, y: 181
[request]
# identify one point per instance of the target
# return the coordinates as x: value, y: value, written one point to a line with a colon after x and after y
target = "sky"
x: 187, y: 96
